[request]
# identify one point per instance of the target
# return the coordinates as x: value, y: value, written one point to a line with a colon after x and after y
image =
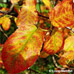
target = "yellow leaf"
x: 47, y: 3
x: 69, y: 44
x: 6, y: 23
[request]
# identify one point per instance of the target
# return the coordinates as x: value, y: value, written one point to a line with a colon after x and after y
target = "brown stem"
x: 3, y: 32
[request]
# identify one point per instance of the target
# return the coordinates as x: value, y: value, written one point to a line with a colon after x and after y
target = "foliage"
x: 36, y: 36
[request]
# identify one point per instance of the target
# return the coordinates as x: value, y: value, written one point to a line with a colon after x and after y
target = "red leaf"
x: 22, y: 48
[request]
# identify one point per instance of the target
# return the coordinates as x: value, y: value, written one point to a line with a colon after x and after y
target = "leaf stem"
x: 3, y: 32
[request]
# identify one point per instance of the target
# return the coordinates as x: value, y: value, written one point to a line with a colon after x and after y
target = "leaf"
x: 17, y: 8
x: 31, y: 4
x: 27, y: 14
x: 54, y: 44
x: 1, y: 20
x: 43, y: 54
x: 14, y: 1
x: 1, y: 46
x: 1, y: 62
x: 22, y: 48
x: 66, y: 58
x: 62, y: 14
x: 69, y: 44
x: 3, y: 5
x: 6, y: 23
x: 47, y: 3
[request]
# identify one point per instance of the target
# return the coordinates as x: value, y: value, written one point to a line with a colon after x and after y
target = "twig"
x: 70, y: 29
x: 33, y: 71
x: 3, y: 32
x: 54, y: 61
x: 43, y: 16
x: 6, y: 12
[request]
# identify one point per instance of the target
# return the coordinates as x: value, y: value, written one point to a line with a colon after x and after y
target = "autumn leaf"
x: 43, y: 54
x: 69, y: 44
x: 14, y: 1
x: 62, y: 14
x: 31, y: 4
x: 1, y: 20
x: 4, y: 9
x: 6, y: 22
x: 54, y: 44
x: 47, y: 3
x: 1, y: 62
x: 28, y: 14
x: 17, y: 8
x: 22, y: 48
x: 66, y: 58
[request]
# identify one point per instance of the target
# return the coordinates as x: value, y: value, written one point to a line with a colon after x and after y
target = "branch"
x: 6, y: 12
x: 3, y: 32
x: 43, y: 16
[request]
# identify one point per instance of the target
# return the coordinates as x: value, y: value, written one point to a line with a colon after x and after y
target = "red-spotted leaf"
x: 27, y: 14
x: 69, y: 44
x: 22, y: 48
x: 54, y: 44
x: 62, y: 14
x: 14, y: 1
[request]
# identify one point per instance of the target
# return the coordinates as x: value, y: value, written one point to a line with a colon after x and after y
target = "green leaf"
x: 3, y: 5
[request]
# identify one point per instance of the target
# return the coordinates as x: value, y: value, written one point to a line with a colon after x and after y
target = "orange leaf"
x: 66, y: 58
x: 22, y: 48
x: 43, y: 54
x: 54, y: 44
x: 62, y: 14
x: 6, y: 23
